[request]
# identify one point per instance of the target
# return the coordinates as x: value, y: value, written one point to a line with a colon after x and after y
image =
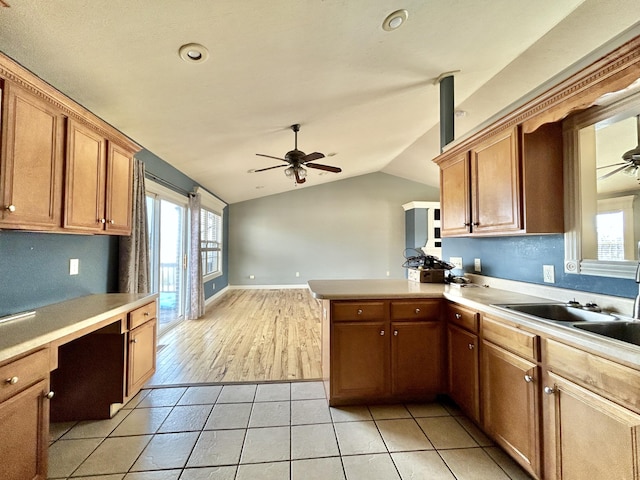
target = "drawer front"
x: 610, y: 379
x: 510, y: 338
x: 415, y: 310
x: 140, y: 315
x: 358, y: 311
x: 22, y: 373
x: 463, y: 317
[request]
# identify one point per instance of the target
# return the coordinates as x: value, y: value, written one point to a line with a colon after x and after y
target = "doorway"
x: 167, y: 225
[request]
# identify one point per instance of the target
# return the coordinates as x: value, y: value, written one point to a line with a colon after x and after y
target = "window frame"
x: 216, y: 206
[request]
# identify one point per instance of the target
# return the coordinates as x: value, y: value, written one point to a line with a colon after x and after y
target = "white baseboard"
x: 215, y: 296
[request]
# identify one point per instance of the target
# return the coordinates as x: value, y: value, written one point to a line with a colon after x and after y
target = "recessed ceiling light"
x: 395, y: 20
x: 193, y: 53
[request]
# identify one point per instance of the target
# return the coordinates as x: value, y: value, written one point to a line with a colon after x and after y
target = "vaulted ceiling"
x: 365, y: 97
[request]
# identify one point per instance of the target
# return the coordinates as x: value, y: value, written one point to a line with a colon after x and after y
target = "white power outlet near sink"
x: 548, y: 274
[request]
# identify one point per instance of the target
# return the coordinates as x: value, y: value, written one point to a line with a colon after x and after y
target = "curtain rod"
x: 166, y: 183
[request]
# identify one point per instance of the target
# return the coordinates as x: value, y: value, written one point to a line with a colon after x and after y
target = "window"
x: 210, y: 242
x: 211, y: 234
x: 614, y: 229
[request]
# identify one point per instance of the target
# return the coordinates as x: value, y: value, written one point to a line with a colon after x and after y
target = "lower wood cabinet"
x: 383, y: 349
x: 464, y: 380
x: 510, y: 404
x: 24, y: 417
x: 141, y: 360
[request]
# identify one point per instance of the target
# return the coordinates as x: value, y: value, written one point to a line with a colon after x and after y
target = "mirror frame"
x: 573, y: 257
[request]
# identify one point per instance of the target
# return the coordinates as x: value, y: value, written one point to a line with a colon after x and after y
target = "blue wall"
x: 34, y: 267
x: 521, y: 259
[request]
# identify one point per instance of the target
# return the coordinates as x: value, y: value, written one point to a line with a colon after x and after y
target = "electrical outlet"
x: 477, y: 266
x: 388, y: 273
x: 74, y: 266
x: 297, y: 274
x: 251, y: 277
x: 548, y: 274
x: 456, y: 262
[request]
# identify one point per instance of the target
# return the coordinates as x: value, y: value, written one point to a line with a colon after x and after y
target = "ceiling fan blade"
x: 270, y: 156
x: 607, y: 175
x: 327, y: 168
x: 612, y: 165
x: 269, y: 168
x: 312, y: 156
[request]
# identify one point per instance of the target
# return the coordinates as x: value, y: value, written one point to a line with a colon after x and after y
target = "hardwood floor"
x: 246, y: 335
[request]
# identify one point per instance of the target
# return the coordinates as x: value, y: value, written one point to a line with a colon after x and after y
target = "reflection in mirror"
x: 602, y: 186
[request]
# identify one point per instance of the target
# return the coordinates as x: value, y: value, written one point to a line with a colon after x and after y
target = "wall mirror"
x: 602, y: 186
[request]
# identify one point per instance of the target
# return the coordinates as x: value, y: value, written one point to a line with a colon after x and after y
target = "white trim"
x: 215, y: 296
x: 419, y: 204
x: 152, y: 187
x: 210, y: 202
x: 267, y: 287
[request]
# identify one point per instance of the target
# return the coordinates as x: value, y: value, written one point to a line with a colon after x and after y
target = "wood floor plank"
x: 245, y: 336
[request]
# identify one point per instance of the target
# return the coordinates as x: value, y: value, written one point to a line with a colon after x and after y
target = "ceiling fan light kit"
x: 296, y: 160
x: 631, y: 159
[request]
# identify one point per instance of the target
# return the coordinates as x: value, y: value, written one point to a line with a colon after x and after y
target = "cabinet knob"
x: 417, y: 310
x: 475, y: 224
x: 528, y: 378
x: 112, y: 222
x: 395, y: 333
x: 467, y: 224
x: 458, y: 316
x: 102, y: 220
x: 49, y: 395
x: 359, y: 311
x: 10, y: 208
x: 12, y: 380
x: 146, y: 314
x: 382, y: 333
x: 471, y: 346
x: 135, y: 340
x: 549, y: 390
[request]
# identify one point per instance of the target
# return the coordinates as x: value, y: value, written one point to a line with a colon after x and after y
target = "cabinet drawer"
x: 140, y: 315
x: 463, y: 317
x: 514, y: 339
x: 357, y: 311
x: 612, y: 380
x: 24, y: 372
x: 415, y: 310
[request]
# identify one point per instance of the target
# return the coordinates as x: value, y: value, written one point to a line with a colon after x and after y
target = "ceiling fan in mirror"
x: 297, y: 160
x: 631, y: 159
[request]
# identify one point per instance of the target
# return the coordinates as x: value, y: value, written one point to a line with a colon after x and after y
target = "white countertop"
x: 59, y: 320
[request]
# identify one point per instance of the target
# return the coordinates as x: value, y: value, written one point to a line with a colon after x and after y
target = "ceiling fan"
x: 297, y: 160
x: 631, y: 160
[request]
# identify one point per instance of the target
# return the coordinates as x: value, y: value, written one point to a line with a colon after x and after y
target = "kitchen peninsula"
x: 76, y: 360
x: 528, y: 383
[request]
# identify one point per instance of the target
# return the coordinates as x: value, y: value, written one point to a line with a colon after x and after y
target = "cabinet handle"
x: 475, y: 224
x: 12, y: 380
x: 10, y: 208
x: 112, y: 222
x: 382, y: 333
x: 102, y: 220
x: 467, y: 224
x: 549, y: 390
x: 528, y: 378
x: 49, y: 395
x: 146, y: 314
x: 417, y: 310
x: 458, y: 316
x: 359, y: 311
x: 134, y: 340
x: 395, y: 333
x: 471, y: 346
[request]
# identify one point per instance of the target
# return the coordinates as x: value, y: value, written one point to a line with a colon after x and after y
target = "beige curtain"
x: 134, y: 250
x: 195, y: 307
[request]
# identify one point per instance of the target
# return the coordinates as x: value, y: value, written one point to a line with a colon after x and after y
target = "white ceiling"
x: 359, y: 92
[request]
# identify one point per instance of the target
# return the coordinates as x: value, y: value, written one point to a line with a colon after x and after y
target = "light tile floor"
x: 275, y: 431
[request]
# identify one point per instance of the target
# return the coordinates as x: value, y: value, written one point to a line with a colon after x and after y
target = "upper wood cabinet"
x: 98, y: 183
x: 31, y: 161
x: 509, y: 183
x: 62, y: 168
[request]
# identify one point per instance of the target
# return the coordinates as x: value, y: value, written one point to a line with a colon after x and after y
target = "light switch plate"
x: 456, y: 262
x: 74, y: 266
x: 477, y: 265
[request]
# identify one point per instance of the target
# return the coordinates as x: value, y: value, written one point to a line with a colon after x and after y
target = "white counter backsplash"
x: 623, y: 306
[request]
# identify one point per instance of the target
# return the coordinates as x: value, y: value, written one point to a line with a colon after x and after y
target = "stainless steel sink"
x: 558, y: 312
x: 625, y: 331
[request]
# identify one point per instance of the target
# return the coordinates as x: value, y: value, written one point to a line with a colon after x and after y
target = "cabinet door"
x: 454, y: 197
x: 359, y: 359
x: 416, y: 358
x: 463, y: 370
x: 495, y: 185
x: 142, y: 356
x: 24, y: 434
x: 588, y: 436
x: 85, y: 181
x: 31, y: 162
x: 119, y: 190
x: 510, y: 405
